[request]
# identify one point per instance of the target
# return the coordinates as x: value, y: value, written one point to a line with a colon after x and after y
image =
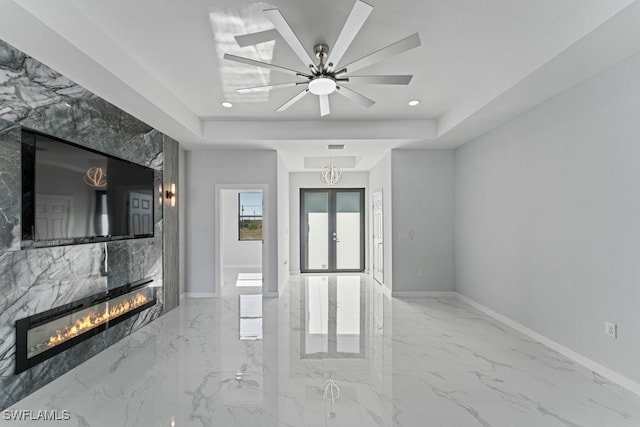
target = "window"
x: 250, y: 216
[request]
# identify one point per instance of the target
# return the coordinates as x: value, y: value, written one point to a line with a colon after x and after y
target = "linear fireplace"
x: 43, y: 335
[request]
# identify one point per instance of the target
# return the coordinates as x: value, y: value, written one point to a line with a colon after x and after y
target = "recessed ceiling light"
x: 414, y: 102
x: 226, y: 104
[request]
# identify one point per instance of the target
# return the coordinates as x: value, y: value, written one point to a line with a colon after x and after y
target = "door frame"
x: 331, y: 192
x: 377, y: 237
x: 218, y: 277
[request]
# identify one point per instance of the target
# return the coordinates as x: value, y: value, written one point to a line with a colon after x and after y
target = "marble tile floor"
x: 331, y: 351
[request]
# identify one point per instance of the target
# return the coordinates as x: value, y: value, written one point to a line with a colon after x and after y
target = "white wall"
x: 422, y: 222
x: 283, y: 221
x: 226, y: 168
x: 380, y: 179
x: 247, y: 253
x: 300, y: 180
x: 548, y: 218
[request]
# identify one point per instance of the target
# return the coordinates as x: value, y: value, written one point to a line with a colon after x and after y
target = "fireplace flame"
x: 94, y: 319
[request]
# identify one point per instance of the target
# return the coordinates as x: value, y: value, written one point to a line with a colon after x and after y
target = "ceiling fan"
x: 326, y: 75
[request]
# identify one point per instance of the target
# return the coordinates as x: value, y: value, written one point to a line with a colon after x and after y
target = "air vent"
x: 335, y: 146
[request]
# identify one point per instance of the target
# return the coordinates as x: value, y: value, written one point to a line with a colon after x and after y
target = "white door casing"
x: 378, y: 238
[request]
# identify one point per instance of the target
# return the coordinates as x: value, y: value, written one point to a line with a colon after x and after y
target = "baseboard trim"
x: 620, y: 379
x: 385, y: 289
x: 201, y: 295
x: 423, y: 294
x: 182, y: 296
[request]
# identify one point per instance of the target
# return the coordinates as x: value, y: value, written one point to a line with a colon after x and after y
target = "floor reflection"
x: 250, y: 317
x: 332, y: 350
x: 242, y: 350
x: 245, y: 280
x: 332, y: 317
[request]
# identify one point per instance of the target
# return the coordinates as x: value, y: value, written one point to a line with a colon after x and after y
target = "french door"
x: 331, y: 230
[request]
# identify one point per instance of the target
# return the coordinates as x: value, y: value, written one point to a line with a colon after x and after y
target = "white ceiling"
x: 481, y: 63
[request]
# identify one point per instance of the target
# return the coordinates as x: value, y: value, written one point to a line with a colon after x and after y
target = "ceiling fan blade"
x: 355, y: 96
x: 380, y: 80
x: 355, y: 21
x: 325, y: 109
x: 293, y: 100
x: 252, y: 39
x: 386, y: 52
x: 289, y: 36
x: 243, y: 60
x: 268, y: 87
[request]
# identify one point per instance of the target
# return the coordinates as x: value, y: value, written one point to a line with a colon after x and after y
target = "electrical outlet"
x: 611, y: 329
x: 420, y: 272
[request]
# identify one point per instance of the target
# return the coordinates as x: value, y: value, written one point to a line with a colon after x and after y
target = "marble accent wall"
x: 34, y: 280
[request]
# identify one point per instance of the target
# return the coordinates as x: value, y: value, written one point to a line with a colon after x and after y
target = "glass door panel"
x: 347, y: 233
x: 316, y: 226
x: 332, y: 230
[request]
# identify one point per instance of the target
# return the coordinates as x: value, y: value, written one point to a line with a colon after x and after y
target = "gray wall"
x: 422, y: 223
x: 35, y: 280
x: 205, y: 170
x: 547, y: 214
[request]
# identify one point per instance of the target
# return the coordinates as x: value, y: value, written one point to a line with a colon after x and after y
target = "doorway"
x: 241, y: 260
x: 332, y: 230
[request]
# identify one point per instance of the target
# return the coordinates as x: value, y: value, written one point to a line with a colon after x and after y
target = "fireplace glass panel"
x: 55, y: 332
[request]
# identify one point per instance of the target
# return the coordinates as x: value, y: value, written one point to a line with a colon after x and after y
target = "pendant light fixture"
x: 95, y: 177
x: 331, y: 175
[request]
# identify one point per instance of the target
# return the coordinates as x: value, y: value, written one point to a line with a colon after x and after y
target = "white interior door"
x: 53, y: 216
x: 378, y: 238
x: 140, y: 213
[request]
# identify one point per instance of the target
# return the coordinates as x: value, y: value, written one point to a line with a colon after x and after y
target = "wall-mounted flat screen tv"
x: 72, y: 194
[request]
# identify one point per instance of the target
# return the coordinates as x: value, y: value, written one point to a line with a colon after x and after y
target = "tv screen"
x: 73, y: 193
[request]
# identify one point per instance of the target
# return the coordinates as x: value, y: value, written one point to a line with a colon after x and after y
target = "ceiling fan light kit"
x: 328, y: 75
x: 322, y: 86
